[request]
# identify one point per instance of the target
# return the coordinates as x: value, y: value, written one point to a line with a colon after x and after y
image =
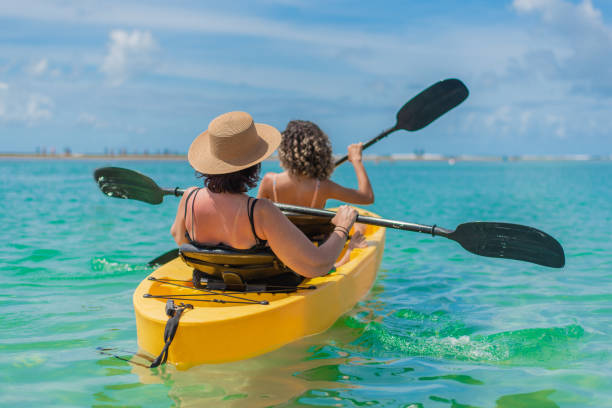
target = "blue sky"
x: 91, y: 75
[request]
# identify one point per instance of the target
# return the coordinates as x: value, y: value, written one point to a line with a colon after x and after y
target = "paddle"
x: 424, y: 108
x: 491, y: 239
x: 164, y: 258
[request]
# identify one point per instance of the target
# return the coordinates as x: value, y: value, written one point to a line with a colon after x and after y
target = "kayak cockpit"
x: 250, y: 270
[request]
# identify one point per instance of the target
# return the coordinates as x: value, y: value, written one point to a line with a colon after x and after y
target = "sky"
x: 96, y: 75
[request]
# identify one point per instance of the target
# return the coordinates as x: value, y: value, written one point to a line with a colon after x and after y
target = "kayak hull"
x: 218, y: 333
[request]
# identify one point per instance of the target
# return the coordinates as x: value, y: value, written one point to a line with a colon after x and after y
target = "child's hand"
x: 357, y: 241
x: 354, y: 152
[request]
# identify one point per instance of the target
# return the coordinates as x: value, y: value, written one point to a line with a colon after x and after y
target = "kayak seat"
x: 317, y: 229
x: 283, y: 283
x: 222, y: 267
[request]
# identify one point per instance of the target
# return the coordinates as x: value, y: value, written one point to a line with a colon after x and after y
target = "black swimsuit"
x: 259, y: 243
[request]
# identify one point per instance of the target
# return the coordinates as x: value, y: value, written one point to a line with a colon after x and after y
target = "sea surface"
x: 440, y: 328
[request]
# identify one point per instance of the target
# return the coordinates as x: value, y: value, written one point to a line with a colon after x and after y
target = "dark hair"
x: 305, y: 150
x: 236, y: 182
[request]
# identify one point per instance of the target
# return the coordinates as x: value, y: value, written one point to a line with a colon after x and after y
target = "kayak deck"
x: 218, y: 332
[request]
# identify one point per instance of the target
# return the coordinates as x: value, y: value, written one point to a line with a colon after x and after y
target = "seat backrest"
x: 249, y: 264
x: 315, y: 228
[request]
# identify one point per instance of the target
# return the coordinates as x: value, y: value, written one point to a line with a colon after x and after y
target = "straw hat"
x: 232, y: 142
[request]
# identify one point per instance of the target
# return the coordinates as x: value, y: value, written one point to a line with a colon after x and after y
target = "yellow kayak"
x: 224, y: 326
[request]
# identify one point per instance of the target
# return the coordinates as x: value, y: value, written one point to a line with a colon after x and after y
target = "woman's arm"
x: 364, y: 193
x: 178, y: 228
x: 293, y: 248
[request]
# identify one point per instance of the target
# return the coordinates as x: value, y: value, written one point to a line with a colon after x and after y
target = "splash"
x: 550, y: 347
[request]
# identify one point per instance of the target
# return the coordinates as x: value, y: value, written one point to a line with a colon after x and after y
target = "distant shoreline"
x: 372, y: 158
x: 79, y: 156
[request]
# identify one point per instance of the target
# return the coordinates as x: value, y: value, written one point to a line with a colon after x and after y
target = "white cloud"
x: 557, y: 125
x: 581, y: 18
x: 139, y: 130
x: 530, y: 5
x: 524, y: 119
x: 554, y: 9
x: 554, y: 59
x: 378, y: 52
x: 3, y: 88
x: 2, y: 104
x: 38, y: 68
x: 581, y: 30
x: 127, y: 54
x: 183, y: 19
x: 24, y: 107
x: 86, y: 119
x: 91, y: 120
x: 501, y: 119
x: 512, y: 121
x: 3, y: 100
x: 38, y: 107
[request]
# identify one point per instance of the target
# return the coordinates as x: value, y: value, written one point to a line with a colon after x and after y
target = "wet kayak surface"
x: 440, y: 328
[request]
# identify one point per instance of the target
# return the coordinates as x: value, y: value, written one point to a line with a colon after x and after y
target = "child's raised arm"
x: 364, y: 193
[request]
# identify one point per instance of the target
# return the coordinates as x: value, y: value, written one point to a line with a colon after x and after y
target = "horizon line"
x: 366, y: 157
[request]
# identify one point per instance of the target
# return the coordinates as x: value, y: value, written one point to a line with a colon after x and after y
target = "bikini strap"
x: 195, y: 190
x: 274, y: 188
x: 250, y: 212
x: 314, y: 197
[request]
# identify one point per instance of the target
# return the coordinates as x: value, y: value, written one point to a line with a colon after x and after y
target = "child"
x: 306, y: 156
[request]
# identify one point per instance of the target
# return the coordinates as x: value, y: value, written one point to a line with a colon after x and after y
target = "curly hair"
x: 238, y: 182
x: 305, y: 150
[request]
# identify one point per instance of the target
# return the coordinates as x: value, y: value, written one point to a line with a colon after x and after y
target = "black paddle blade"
x: 125, y: 183
x: 164, y: 258
x: 430, y: 104
x: 512, y: 241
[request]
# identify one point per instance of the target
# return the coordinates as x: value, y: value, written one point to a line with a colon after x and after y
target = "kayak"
x: 224, y: 325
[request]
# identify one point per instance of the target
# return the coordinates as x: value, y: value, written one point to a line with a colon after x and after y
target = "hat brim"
x: 203, y: 160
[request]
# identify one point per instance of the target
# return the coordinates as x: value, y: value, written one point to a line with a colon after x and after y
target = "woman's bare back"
x: 218, y: 218
x: 304, y: 191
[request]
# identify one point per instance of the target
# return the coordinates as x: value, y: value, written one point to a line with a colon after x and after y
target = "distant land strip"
x: 451, y: 159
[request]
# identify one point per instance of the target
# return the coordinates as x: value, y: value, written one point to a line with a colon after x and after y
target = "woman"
x: 306, y: 156
x: 228, y: 156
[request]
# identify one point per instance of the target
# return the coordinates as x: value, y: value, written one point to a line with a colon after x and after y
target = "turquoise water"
x: 441, y: 327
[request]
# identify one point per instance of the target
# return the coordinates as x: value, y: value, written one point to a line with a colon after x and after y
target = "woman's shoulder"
x: 190, y: 191
x: 328, y: 185
x: 271, y: 178
x: 264, y: 204
x: 268, y: 178
x: 186, y: 193
x: 271, y: 175
x: 266, y: 183
x: 267, y: 208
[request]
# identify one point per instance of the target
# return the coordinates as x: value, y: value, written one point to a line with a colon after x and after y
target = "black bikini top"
x: 259, y: 243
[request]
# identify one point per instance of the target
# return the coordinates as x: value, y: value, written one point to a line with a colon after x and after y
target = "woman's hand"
x: 293, y: 248
x: 354, y: 152
x: 345, y: 217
